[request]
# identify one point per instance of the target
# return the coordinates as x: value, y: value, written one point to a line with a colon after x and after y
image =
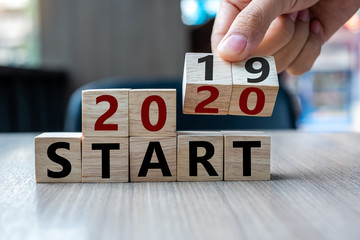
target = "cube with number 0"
x: 255, y: 87
x: 152, y: 112
x: 207, y: 84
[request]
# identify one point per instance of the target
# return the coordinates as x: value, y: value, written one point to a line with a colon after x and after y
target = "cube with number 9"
x: 207, y: 84
x: 255, y: 87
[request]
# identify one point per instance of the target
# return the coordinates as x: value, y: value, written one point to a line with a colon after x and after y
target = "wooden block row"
x: 124, y: 112
x: 189, y: 156
x: 213, y: 86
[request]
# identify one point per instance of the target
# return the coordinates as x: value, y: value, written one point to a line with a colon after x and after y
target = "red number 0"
x: 214, y: 94
x: 145, y: 109
x: 99, y: 124
x: 259, y: 103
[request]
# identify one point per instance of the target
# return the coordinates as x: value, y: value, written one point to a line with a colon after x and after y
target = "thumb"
x: 249, y: 28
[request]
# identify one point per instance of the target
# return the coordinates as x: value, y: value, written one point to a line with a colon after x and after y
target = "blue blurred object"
x: 196, y: 12
x: 282, y: 118
x: 328, y: 92
x: 325, y: 98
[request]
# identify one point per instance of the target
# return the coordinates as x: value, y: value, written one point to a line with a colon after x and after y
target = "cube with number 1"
x: 207, y: 84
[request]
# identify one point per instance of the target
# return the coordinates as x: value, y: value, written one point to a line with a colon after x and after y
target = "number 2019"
x: 263, y: 70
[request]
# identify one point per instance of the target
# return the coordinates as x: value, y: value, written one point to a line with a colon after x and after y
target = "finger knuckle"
x: 251, y: 19
x: 305, y: 66
x: 287, y: 28
x: 301, y: 67
x: 296, y: 70
x: 238, y: 4
x: 280, y: 64
x: 255, y: 15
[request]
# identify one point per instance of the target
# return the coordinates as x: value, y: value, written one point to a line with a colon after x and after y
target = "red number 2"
x: 99, y: 124
x: 214, y: 94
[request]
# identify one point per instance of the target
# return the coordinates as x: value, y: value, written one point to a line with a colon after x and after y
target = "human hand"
x: 292, y: 31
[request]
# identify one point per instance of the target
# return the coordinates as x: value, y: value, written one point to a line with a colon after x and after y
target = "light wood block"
x: 105, y: 112
x: 58, y: 157
x: 254, y: 93
x: 105, y: 159
x: 246, y: 155
x: 200, y: 156
x: 207, y: 84
x: 152, y: 159
x: 152, y: 112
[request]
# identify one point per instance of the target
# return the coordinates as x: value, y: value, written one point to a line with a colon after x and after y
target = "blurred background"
x: 51, y: 49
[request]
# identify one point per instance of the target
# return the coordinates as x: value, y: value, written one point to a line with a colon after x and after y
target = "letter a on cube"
x: 152, y: 159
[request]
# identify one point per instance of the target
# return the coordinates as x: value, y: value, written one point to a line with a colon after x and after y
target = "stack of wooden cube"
x: 130, y: 134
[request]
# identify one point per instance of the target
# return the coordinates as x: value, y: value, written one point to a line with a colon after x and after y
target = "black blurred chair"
x: 282, y: 118
x: 31, y: 100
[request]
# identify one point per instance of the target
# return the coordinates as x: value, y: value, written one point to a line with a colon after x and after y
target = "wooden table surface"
x: 314, y: 194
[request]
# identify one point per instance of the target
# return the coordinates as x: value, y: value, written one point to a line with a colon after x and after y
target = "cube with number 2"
x: 207, y: 84
x: 105, y: 112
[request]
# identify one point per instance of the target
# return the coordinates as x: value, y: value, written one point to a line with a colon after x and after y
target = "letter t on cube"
x: 255, y: 87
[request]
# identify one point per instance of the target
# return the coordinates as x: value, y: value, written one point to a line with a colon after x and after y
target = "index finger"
x: 224, y: 18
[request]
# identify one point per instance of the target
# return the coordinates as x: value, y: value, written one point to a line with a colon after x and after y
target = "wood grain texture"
x: 92, y: 111
x: 234, y: 156
x: 194, y: 77
x: 314, y: 193
x: 269, y: 86
x: 72, y: 155
x: 183, y: 159
x: 139, y: 147
x: 118, y: 159
x: 136, y: 103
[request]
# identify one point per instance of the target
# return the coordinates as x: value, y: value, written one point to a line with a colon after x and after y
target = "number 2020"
x: 145, y: 113
x: 263, y: 70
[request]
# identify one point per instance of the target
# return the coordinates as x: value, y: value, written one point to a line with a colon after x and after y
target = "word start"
x: 130, y: 134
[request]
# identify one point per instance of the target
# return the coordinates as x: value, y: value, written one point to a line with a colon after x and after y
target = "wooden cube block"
x: 152, y: 112
x: 105, y: 112
x: 58, y: 157
x: 255, y: 87
x: 105, y: 159
x: 207, y: 84
x: 246, y: 155
x: 152, y: 159
x: 200, y: 156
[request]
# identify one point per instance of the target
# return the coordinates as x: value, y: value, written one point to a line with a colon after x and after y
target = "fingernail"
x: 315, y: 26
x: 293, y: 16
x: 304, y: 15
x: 234, y: 44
